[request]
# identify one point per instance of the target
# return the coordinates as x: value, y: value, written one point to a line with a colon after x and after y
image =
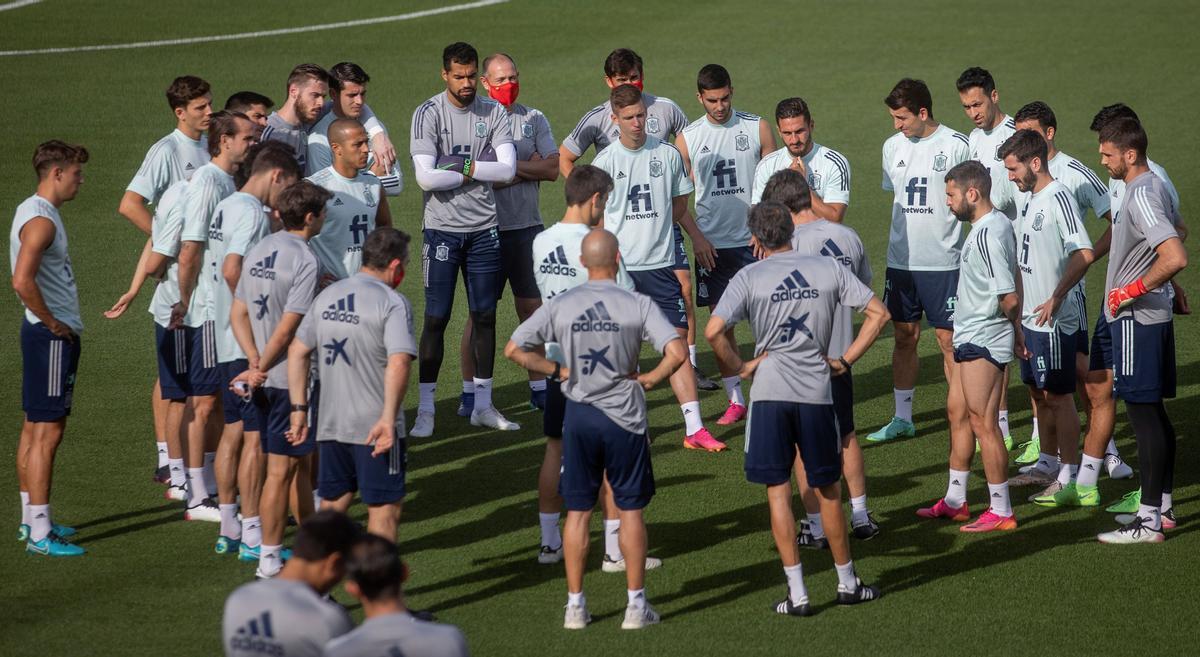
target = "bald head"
x: 343, y: 131
x: 348, y: 143
x: 600, y: 251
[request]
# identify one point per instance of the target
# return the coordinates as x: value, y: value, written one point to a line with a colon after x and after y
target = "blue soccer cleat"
x: 227, y: 546
x: 53, y: 546
x: 466, y: 404
x: 896, y: 428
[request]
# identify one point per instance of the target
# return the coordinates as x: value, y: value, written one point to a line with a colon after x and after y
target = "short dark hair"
x: 789, y: 188
x: 585, y: 182
x: 242, y: 101
x: 300, y: 199
x: 713, y: 76
x: 1111, y: 112
x: 184, y: 89
x: 1126, y: 134
x: 912, y: 95
x: 1025, y: 145
x: 55, y: 153
x: 790, y: 108
x: 976, y: 77
x: 374, y: 565
x: 972, y: 173
x: 344, y: 72
x: 622, y: 60
x: 222, y: 124
x: 458, y: 52
x: 325, y: 533
x: 623, y: 96
x: 1037, y: 111
x: 494, y: 56
x: 771, y: 224
x: 305, y: 72
x: 271, y: 155
x: 384, y: 245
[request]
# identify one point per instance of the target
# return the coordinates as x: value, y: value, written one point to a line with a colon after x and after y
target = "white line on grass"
x: 254, y: 35
x: 18, y: 4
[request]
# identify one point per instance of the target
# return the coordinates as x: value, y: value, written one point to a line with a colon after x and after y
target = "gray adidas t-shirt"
x: 601, y: 327
x: 664, y: 120
x: 397, y: 635
x: 280, y: 617
x: 354, y: 325
x: 441, y: 128
x: 55, y: 277
x: 1146, y: 219
x: 791, y: 300
x: 840, y: 242
x: 279, y: 275
x: 517, y: 204
x: 292, y: 134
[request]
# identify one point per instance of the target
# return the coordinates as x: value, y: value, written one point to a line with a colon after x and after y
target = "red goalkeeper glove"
x: 1119, y: 298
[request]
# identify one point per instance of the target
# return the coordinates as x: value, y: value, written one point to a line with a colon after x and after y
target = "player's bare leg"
x: 225, y: 466
x: 176, y: 435
x: 783, y: 524
x: 550, y: 502
x: 575, y: 550
x: 733, y: 387
x: 614, y: 556
x: 960, y: 426
x: 384, y: 519
x: 250, y: 475
x: 905, y: 366
x: 273, y: 506
x: 981, y: 381
x: 683, y: 384
x: 198, y: 421
x: 953, y: 505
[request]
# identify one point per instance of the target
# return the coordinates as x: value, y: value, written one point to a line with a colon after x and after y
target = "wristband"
x: 842, y: 360
x: 556, y: 376
x: 1136, y: 288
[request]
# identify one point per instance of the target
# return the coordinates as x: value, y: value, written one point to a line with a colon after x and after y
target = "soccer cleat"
x: 207, y: 510
x: 1117, y: 469
x: 861, y: 593
x: 537, y: 400
x: 735, y: 413
x: 577, y: 617
x: 548, y: 555
x: 943, y: 510
x: 423, y: 427
x: 1008, y: 444
x: 53, y: 546
x: 864, y: 531
x: 492, y: 419
x: 466, y: 404
x: 704, y: 440
x: 247, y: 553
x: 805, y: 538
x: 227, y: 546
x: 23, y: 533
x: 1168, y: 519
x: 703, y: 382
x: 896, y: 428
x: 1034, y: 477
x: 787, y: 608
x: 1129, y: 503
x: 62, y: 531
x: 1071, y: 495
x: 162, y: 475
x: 618, y: 566
x: 177, y: 493
x: 640, y: 616
x: 1046, y: 493
x: 1030, y: 449
x: 990, y: 522
x: 1136, y: 531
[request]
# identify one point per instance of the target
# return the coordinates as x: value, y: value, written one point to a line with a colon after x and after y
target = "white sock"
x: 24, y: 508
x: 692, y: 354
x: 1112, y: 448
x: 269, y: 562
x: 576, y: 599
x: 904, y: 402
x: 1153, y: 514
x: 815, y: 526
x: 1067, y: 473
x: 1089, y: 471
x: 612, y: 547
x: 795, y: 581
x: 178, y: 475
x: 1001, y: 504
x: 210, y: 473
x: 1166, y: 503
x: 691, y: 417
x: 550, y: 534
x: 1047, y: 463
x: 162, y: 453
x: 636, y: 598
x: 1035, y: 428
x: 469, y: 387
x: 956, y: 491
x: 252, y: 531
x: 230, y: 527
x: 197, y: 489
x: 847, y: 580
x: 483, y: 394
x: 1003, y: 419
x: 425, y: 405
x: 39, y: 521
x: 733, y: 388
x: 537, y: 385
x: 858, y: 509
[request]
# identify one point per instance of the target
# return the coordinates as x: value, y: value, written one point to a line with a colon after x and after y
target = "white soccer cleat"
x: 1117, y: 468
x: 577, y: 617
x: 638, y: 617
x: 177, y: 493
x: 423, y: 427
x: 618, y: 566
x: 206, y: 510
x: 1137, y: 531
x: 491, y: 418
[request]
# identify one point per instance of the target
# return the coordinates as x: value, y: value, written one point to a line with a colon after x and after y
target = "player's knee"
x: 907, y: 335
x: 484, y: 320
x: 435, y: 325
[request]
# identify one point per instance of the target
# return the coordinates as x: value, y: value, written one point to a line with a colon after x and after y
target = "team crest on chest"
x: 742, y: 142
x: 1038, y: 220
x: 652, y: 125
x: 368, y: 198
x: 480, y: 129
x: 998, y: 158
x: 656, y: 168
x: 939, y: 162
x: 814, y: 180
x: 527, y: 131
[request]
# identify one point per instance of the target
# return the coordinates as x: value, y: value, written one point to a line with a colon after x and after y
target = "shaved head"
x: 599, y: 253
x: 343, y: 131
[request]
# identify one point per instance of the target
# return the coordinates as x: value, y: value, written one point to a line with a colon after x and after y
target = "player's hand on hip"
x: 120, y: 306
x: 299, y: 430
x: 60, y: 330
x: 646, y: 381
x: 750, y: 366
x: 836, y: 368
x: 706, y: 255
x: 178, y: 311
x: 1047, y: 310
x: 1119, y: 298
x: 382, y: 435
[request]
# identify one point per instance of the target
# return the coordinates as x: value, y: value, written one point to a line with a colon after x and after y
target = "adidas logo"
x: 189, y: 167
x: 341, y: 310
x: 832, y: 250
x: 595, y: 318
x: 265, y: 268
x: 704, y: 150
x: 900, y: 164
x: 337, y: 201
x: 794, y: 287
x: 1089, y: 466
x: 256, y: 636
x: 620, y: 175
x: 955, y: 483
x: 996, y: 496
x: 556, y: 263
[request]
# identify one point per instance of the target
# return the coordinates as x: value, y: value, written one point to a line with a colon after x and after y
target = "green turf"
x: 151, y: 585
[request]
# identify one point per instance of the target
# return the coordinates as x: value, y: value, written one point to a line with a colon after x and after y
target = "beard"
x: 964, y: 212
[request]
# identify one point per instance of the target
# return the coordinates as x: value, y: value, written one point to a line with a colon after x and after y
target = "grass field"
x: 151, y: 584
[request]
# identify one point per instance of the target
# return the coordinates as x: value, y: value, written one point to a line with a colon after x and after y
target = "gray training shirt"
x: 517, y: 204
x: 664, y: 120
x: 601, y: 327
x: 399, y: 634
x: 280, y: 617
x: 1146, y: 219
x: 840, y: 242
x: 791, y: 301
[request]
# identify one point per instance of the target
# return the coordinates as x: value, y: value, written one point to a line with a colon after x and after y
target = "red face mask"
x: 398, y: 277
x: 505, y: 94
x: 637, y: 83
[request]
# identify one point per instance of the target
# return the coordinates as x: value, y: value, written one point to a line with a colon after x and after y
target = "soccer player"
x: 924, y: 244
x: 348, y: 91
x: 601, y: 327
x: 826, y: 170
x: 1053, y: 255
x: 375, y: 577
x: 461, y: 144
x: 254, y: 105
x: 816, y: 236
x: 649, y: 180
x: 45, y: 283
x: 279, y: 280
x: 357, y: 206
x: 289, y: 615
x: 517, y: 214
x: 790, y: 301
x: 364, y: 329
x: 981, y: 103
x: 716, y: 149
x: 987, y: 333
x: 230, y: 137
x: 1145, y: 254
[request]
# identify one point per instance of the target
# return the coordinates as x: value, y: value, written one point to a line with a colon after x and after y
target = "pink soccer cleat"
x: 990, y: 522
x: 704, y: 440
x: 943, y: 510
x: 735, y: 413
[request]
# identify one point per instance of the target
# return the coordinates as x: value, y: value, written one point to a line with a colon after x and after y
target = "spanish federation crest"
x: 814, y: 180
x: 441, y: 253
x: 652, y: 125
x: 527, y: 131
x: 939, y: 162
x: 368, y: 198
x: 998, y: 158
x: 1038, y: 219
x: 656, y: 168
x: 481, y: 129
x: 742, y: 142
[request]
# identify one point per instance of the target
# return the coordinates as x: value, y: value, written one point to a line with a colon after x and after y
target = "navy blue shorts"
x: 172, y: 350
x: 49, y: 364
x: 516, y: 263
x: 476, y: 254
x: 776, y: 429
x: 1051, y: 364
x: 1101, y: 357
x: 346, y: 468
x: 556, y: 408
x: 908, y: 294
x: 969, y: 352
x: 1144, y: 360
x: 204, y: 377
x: 593, y: 446
x: 662, y: 286
x: 238, y: 408
x: 275, y: 407
x: 843, y: 401
x: 1081, y: 336
x: 711, y: 284
x: 1081, y: 341
x: 681, y: 256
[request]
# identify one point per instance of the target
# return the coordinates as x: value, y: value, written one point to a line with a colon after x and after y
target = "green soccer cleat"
x: 1129, y: 503
x: 896, y: 428
x: 1032, y: 448
x: 1008, y: 443
x: 227, y: 545
x: 23, y: 533
x: 1070, y: 495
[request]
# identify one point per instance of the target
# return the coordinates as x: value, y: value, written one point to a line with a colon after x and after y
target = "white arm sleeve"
x: 502, y: 170
x: 432, y: 179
